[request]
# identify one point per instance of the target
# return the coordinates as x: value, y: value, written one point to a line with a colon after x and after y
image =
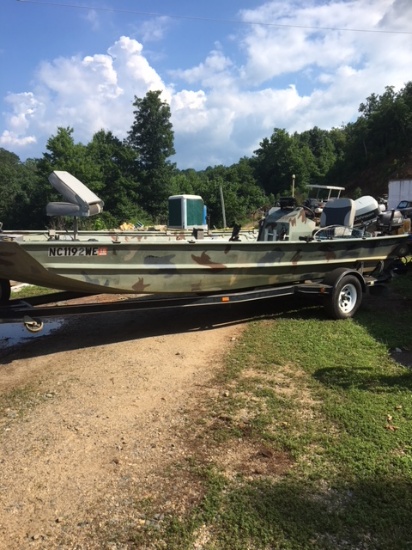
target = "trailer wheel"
x: 4, y: 291
x: 345, y: 298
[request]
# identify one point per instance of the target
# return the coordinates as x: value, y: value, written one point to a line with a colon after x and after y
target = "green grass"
x: 16, y: 404
x: 327, y: 397
x: 31, y: 290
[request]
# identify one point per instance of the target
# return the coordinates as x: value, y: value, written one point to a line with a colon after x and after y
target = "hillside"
x: 374, y: 181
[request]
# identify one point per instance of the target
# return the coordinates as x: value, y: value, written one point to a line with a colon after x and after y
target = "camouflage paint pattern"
x: 124, y: 264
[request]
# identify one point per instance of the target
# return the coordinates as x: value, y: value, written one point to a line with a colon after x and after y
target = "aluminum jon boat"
x: 289, y: 248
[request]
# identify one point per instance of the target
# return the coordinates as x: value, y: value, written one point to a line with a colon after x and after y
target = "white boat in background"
x: 319, y: 195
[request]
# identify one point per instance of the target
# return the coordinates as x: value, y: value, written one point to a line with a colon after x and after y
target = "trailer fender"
x: 335, y: 276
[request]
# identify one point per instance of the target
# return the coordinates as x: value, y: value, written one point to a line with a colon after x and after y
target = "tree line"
x: 135, y: 176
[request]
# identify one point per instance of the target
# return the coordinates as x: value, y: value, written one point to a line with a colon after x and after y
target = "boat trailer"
x: 341, y: 293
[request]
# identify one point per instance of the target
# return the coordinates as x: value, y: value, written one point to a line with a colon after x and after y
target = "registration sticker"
x: 59, y: 251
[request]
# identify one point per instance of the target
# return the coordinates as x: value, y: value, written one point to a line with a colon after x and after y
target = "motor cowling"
x: 390, y: 220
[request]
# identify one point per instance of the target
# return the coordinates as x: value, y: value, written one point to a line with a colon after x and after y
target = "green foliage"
x: 114, y: 161
x: 18, y: 186
x: 379, y: 141
x: 307, y: 156
x: 321, y: 156
x: 30, y: 291
x: 241, y: 194
x: 151, y: 137
x: 275, y: 162
x: 62, y: 154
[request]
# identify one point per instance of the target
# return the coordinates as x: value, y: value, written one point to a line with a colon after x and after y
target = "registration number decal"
x: 58, y: 251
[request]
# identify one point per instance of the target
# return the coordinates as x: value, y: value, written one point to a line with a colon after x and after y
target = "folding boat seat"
x: 338, y: 212
x: 81, y: 201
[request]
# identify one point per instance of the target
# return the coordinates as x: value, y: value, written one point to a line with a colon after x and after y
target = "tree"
x: 278, y: 158
x: 114, y: 160
x: 322, y: 153
x: 17, y: 184
x: 151, y: 137
x: 242, y: 195
x: 64, y: 154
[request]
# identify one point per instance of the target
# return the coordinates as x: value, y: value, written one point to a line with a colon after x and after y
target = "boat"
x: 290, y: 248
x: 319, y: 195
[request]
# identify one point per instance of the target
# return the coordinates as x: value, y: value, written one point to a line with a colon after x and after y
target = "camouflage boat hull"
x: 123, y: 265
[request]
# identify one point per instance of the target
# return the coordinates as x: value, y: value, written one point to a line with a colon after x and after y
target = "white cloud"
x: 293, y: 76
x: 132, y: 67
x: 189, y: 111
x: 24, y: 107
x: 88, y: 94
x: 298, y: 43
x: 93, y: 18
x: 12, y: 140
x: 153, y: 30
x: 396, y: 15
x: 216, y: 66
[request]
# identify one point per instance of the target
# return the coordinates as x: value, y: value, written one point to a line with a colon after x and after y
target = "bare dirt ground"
x: 97, y: 411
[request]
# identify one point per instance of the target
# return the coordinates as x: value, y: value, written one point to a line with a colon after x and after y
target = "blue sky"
x: 231, y: 70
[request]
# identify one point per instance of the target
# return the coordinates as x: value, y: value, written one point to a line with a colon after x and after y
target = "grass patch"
x: 391, y: 314
x: 29, y: 291
x: 17, y: 404
x: 317, y: 419
x: 402, y: 283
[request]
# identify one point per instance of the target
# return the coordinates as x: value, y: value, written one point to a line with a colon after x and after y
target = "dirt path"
x: 107, y: 401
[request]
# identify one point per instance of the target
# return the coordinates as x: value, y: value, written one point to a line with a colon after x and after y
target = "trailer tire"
x: 4, y: 291
x: 345, y: 298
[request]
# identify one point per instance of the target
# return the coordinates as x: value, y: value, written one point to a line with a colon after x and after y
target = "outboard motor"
x: 390, y: 221
x: 366, y: 211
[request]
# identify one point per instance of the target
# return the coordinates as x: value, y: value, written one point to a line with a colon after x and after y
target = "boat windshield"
x: 404, y: 204
x: 319, y: 195
x: 325, y: 192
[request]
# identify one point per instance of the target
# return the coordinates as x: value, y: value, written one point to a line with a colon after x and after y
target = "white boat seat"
x: 70, y: 209
x: 338, y: 212
x: 80, y: 200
